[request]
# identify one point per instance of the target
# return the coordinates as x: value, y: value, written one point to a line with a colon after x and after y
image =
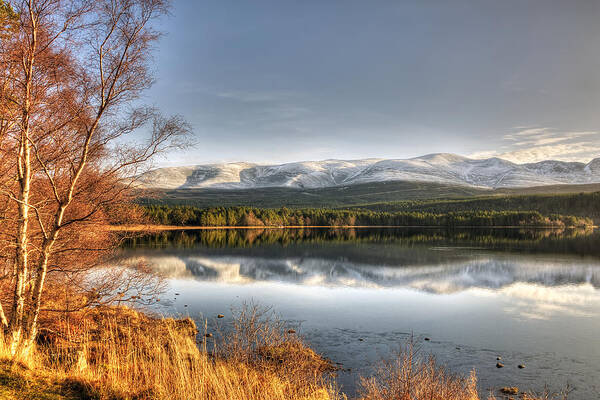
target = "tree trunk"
x: 18, y: 306
x: 3, y: 319
x: 31, y: 319
x: 24, y: 180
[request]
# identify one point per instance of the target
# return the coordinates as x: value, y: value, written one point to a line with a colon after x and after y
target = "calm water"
x: 531, y: 297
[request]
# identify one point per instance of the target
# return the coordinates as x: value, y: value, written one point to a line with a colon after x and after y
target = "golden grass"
x: 119, y: 354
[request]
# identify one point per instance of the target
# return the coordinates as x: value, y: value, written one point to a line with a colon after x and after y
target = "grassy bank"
x: 121, y: 354
x: 118, y: 353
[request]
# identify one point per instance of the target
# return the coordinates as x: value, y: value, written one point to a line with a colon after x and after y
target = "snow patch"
x: 440, y: 168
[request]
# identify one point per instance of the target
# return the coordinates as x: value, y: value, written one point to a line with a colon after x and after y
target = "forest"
x: 578, y: 204
x: 249, y: 216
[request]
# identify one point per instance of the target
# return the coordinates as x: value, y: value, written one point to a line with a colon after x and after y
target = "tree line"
x: 250, y: 216
x: 578, y: 204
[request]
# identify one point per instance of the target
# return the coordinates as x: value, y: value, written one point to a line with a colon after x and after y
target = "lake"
x: 531, y: 297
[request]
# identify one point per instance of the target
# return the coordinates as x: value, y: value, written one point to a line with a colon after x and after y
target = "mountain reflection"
x: 431, y: 261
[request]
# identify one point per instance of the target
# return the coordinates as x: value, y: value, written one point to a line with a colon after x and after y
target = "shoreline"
x: 182, y: 367
x: 159, y: 228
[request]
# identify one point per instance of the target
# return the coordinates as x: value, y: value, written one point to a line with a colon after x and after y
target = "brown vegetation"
x: 120, y: 354
x: 69, y: 74
x: 409, y: 376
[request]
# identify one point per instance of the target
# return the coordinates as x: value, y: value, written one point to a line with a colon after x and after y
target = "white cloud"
x: 255, y: 97
x: 584, y: 152
x: 523, y: 131
x: 532, y: 144
x: 540, y: 141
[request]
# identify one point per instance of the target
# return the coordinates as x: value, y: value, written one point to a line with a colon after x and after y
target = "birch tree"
x: 71, y: 135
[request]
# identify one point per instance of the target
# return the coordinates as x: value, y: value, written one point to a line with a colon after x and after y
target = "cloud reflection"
x: 443, y: 278
x: 540, y: 302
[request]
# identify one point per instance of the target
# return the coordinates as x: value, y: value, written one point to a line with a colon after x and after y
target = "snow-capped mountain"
x: 440, y: 168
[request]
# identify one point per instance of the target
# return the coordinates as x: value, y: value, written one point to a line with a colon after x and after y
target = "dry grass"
x: 410, y: 377
x: 120, y: 354
x: 117, y: 353
x: 259, y: 338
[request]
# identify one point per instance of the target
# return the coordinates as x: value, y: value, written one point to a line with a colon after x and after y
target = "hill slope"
x: 447, y: 169
x: 344, y: 196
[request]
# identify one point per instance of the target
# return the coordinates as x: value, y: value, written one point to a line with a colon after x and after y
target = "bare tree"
x: 71, y: 74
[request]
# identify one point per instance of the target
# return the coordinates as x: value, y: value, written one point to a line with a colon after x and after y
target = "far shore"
x: 157, y: 228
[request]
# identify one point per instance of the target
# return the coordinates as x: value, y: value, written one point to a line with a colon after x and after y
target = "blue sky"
x: 278, y: 80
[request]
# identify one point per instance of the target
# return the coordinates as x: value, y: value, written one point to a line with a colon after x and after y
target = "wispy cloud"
x: 532, y: 144
x: 255, y: 97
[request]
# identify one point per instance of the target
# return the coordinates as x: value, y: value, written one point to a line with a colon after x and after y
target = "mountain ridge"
x: 446, y: 168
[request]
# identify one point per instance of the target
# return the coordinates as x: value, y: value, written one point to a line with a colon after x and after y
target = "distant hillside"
x: 577, y: 204
x: 347, y: 196
x: 443, y: 168
x: 323, y: 197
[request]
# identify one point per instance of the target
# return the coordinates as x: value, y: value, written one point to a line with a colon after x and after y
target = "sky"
x: 273, y: 81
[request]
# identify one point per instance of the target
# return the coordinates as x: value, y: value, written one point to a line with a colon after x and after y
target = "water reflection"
x: 442, y: 278
x: 538, y: 302
x: 529, y: 295
x: 582, y: 242
x: 434, y: 261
